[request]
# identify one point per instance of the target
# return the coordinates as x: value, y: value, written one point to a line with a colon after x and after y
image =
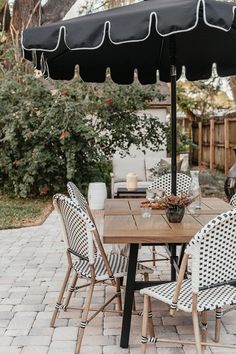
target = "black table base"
x: 132, y: 285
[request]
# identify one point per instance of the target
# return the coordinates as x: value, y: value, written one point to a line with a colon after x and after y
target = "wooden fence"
x: 214, y: 141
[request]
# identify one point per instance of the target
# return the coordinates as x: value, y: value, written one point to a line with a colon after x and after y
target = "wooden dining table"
x: 124, y: 224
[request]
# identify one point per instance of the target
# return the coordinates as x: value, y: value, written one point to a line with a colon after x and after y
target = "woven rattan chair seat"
x: 118, y: 264
x: 209, y: 299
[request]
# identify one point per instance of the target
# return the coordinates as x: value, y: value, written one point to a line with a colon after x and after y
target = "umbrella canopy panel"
x: 137, y: 37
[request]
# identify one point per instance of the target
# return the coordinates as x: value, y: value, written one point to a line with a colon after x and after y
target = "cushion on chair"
x: 122, y: 166
x: 209, y: 299
x: 118, y: 264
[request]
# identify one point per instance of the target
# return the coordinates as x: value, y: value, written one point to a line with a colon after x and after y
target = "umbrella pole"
x: 173, y: 152
x: 173, y: 130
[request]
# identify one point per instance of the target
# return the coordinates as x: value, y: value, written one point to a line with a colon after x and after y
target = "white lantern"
x: 131, y: 181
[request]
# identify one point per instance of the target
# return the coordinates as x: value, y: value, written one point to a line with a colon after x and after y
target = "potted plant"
x: 175, y: 206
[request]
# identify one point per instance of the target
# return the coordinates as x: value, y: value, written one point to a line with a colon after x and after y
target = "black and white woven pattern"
x: 78, y: 227
x: 233, y: 200
x: 209, y: 299
x: 164, y: 183
x: 75, y: 193
x: 118, y: 264
x: 213, y: 251
x: 79, y: 232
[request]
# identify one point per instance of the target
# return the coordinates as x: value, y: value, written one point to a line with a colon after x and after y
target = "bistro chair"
x: 75, y: 194
x: 79, y: 198
x: 233, y: 200
x: 211, y: 285
x: 163, y: 183
x: 88, y: 260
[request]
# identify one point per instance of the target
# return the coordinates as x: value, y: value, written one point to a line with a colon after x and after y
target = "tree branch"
x: 54, y: 11
x: 37, y: 6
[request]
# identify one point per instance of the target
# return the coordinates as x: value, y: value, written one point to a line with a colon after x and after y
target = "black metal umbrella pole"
x: 173, y: 115
x: 151, y: 36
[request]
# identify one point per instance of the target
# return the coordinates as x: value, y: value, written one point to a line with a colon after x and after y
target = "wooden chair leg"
x: 150, y: 320
x: 73, y: 283
x: 83, y: 322
x: 118, y: 291
x: 196, y: 328
x: 204, y: 327
x: 145, y: 324
x: 60, y: 297
x: 218, y: 325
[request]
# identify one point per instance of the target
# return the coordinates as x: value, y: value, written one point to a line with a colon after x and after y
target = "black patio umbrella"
x: 168, y: 36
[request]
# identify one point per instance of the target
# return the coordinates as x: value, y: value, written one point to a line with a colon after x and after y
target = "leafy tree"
x: 200, y: 99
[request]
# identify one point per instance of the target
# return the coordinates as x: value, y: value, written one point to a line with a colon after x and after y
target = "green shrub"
x: 53, y: 132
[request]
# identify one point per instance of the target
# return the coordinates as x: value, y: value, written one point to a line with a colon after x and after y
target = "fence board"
x: 215, y: 139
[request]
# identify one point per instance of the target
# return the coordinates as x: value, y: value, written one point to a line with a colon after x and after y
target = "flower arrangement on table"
x: 168, y: 201
x: 176, y: 200
x: 174, y: 205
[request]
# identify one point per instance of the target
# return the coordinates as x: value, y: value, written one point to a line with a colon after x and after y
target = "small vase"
x: 175, y: 213
x: 195, y: 190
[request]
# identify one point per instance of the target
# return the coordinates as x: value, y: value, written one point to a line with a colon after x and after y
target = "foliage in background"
x: 52, y: 132
x: 184, y: 141
x: 201, y: 99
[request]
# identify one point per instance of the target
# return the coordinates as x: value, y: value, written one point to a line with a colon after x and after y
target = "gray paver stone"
x: 10, y: 350
x: 65, y: 333
x: 22, y: 323
x: 32, y: 340
x: 34, y: 350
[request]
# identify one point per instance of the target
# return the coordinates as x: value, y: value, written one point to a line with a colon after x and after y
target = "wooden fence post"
x: 212, y: 144
x: 226, y: 133
x: 199, y: 144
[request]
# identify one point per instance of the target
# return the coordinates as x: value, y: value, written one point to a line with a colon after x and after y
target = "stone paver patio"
x: 32, y: 269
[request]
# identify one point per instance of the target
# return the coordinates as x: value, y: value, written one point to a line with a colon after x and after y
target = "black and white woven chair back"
x: 77, y: 226
x: 164, y: 183
x: 213, y: 252
x: 75, y: 193
x: 233, y: 200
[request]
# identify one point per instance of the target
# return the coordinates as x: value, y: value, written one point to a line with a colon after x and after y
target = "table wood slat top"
x: 123, y: 222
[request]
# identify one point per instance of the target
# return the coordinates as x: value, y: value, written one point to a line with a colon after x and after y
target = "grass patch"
x: 16, y: 212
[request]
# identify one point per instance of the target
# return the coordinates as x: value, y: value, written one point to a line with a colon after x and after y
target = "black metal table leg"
x: 129, y: 295
x: 173, y: 259
x: 181, y: 255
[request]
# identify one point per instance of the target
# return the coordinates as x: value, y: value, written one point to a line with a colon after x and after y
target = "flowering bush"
x: 52, y: 132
